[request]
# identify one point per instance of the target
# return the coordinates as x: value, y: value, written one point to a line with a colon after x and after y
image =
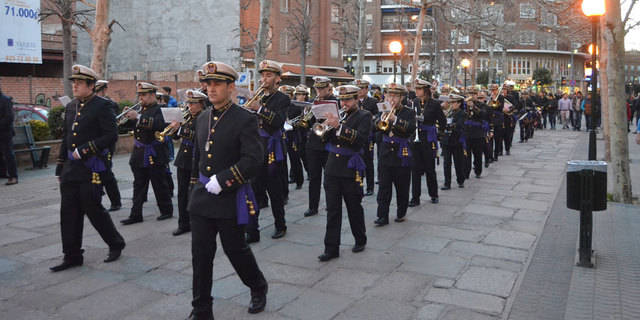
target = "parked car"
x: 25, y: 112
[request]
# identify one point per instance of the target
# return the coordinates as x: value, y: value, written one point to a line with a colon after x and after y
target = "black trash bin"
x: 587, y: 182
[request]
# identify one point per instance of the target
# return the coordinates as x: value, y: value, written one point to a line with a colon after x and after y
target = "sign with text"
x: 20, y: 39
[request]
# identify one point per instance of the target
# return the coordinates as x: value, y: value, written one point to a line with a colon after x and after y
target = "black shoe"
x: 434, y: 200
x: 486, y: 164
x: 291, y: 181
x: 357, y: 248
x: 414, y: 203
x: 460, y: 185
x: 508, y: 152
x: 310, y: 213
x: 279, y: 234
x: 381, y: 222
x: 115, y: 207
x: 164, y: 217
x: 251, y: 238
x: 113, y: 255
x: 258, y: 301
x: 192, y: 316
x: 478, y: 176
x: 180, y: 231
x: 66, y: 264
x: 129, y: 221
x: 298, y: 187
x: 521, y: 141
x: 368, y: 193
x: 399, y: 219
x: 446, y: 188
x: 327, y: 256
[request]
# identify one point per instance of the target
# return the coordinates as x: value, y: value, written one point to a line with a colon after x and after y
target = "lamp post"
x: 395, y: 47
x: 465, y: 63
x: 593, y: 9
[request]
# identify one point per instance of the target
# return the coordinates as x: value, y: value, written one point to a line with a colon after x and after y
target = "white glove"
x: 76, y: 154
x: 213, y: 186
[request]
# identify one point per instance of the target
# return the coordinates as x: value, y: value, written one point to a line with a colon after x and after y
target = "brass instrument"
x: 384, y: 124
x: 304, y: 120
x: 494, y: 103
x: 320, y: 128
x: 258, y: 95
x: 160, y: 135
x: 121, y: 119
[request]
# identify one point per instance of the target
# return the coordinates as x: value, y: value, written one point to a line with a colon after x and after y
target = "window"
x: 462, y: 38
x: 335, y: 14
x: 550, y: 44
x: 284, y: 6
x: 527, y: 38
x: 335, y: 49
x: 520, y: 66
x: 367, y: 69
x: 369, y: 44
x: 369, y: 18
x: 527, y: 11
x: 388, y: 22
x: 284, y: 41
x: 549, y: 19
x: 495, y: 14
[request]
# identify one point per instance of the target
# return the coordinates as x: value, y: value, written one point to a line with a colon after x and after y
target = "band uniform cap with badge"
x: 347, y: 91
x: 395, y: 88
x: 321, y: 82
x: 287, y: 89
x: 81, y: 72
x: 361, y: 83
x: 101, y: 84
x: 215, y: 70
x: 200, y: 74
x: 302, y: 89
x: 452, y: 97
x: 144, y: 87
x: 422, y: 84
x: 194, y: 96
x: 270, y: 65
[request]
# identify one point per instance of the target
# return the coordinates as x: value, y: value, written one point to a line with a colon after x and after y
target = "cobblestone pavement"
x: 463, y: 258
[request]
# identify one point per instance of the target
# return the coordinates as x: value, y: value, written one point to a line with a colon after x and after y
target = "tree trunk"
x: 362, y: 39
x: 474, y: 60
x: 454, y: 59
x: 303, y: 62
x: 67, y: 53
x: 505, y: 72
x: 418, y: 43
x: 260, y: 50
x: 603, y: 78
x: 491, y: 63
x: 100, y: 37
x: 614, y: 41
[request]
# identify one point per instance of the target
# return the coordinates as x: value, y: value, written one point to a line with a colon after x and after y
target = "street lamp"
x: 395, y: 47
x: 593, y: 9
x: 465, y: 63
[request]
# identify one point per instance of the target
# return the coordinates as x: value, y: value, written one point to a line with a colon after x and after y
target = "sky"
x: 632, y: 40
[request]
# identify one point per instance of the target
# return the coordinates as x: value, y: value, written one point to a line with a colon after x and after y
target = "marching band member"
x: 452, y: 140
x: 108, y: 178
x: 370, y: 104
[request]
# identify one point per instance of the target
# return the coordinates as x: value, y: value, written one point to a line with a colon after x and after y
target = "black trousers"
x: 203, y: 249
x: 336, y: 189
x: 552, y: 119
x: 8, y: 157
x: 316, y: 161
x: 110, y: 185
x: 498, y: 137
x: 271, y: 183
x: 524, y: 131
x: 508, y: 137
x: 295, y: 173
x: 368, y: 161
x: 399, y: 178
x: 456, y: 154
x: 488, y: 149
x: 78, y: 200
x: 476, y: 148
x: 184, y: 179
x: 424, y: 162
x: 157, y: 174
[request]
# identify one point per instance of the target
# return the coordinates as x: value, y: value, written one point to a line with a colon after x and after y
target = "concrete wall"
x: 168, y: 36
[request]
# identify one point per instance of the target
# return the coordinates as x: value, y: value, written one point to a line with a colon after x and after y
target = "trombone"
x: 121, y: 119
x: 320, y: 128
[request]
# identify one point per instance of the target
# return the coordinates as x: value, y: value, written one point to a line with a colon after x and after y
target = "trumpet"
x: 160, y: 135
x: 121, y: 119
x: 303, y: 120
x: 320, y: 128
x: 258, y: 95
x: 384, y: 124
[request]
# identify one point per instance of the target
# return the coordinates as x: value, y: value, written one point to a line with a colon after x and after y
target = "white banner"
x: 20, y: 36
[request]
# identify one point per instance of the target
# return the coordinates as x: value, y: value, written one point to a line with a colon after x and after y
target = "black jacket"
x: 6, y: 117
x: 235, y: 155
x: 314, y: 142
x: 184, y: 155
x: 455, y: 129
x: 150, y: 122
x: 354, y: 135
x: 404, y: 128
x: 431, y: 114
x: 89, y: 126
x: 474, y: 127
x: 369, y: 104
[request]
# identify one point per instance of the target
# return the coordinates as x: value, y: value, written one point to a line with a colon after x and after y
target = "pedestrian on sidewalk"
x: 7, y: 156
x: 552, y: 110
x: 576, y: 104
x: 564, y: 105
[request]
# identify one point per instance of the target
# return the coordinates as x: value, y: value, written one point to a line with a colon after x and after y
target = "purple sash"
x: 246, y: 203
x: 355, y: 158
x: 274, y: 146
x: 97, y: 165
x: 149, y: 150
x: 432, y: 136
x: 403, y: 144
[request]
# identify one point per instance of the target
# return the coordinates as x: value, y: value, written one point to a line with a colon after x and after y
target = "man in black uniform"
x: 346, y: 140
x: 475, y: 135
x: 227, y: 154
x: 496, y: 121
x: 272, y: 112
x: 429, y: 117
x: 149, y: 158
x: 89, y: 130
x: 292, y: 139
x: 510, y: 119
x: 452, y: 140
x: 184, y: 157
x: 302, y: 95
x: 396, y: 127
x: 108, y: 178
x: 370, y: 104
x: 316, y: 153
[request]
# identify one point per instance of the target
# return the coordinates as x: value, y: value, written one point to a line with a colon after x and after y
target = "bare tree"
x: 362, y: 38
x: 300, y: 27
x: 262, y: 41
